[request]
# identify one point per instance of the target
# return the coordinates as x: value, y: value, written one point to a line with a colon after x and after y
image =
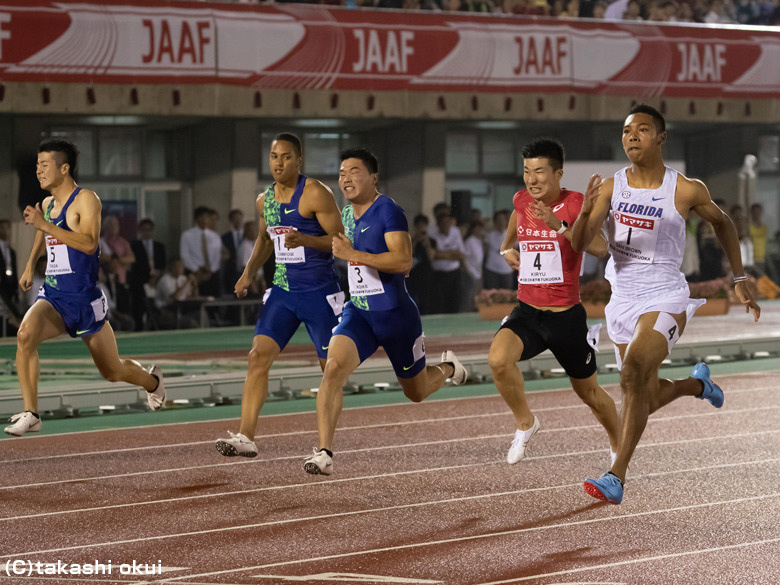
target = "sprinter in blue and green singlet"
x: 378, y: 249
x: 298, y: 220
x: 69, y: 300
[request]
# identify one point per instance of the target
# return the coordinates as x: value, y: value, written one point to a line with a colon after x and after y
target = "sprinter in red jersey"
x: 549, y: 314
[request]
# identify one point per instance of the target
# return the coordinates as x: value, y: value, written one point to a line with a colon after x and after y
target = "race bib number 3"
x: 540, y: 263
x: 285, y: 255
x: 364, y: 281
x: 632, y: 237
x: 57, y: 259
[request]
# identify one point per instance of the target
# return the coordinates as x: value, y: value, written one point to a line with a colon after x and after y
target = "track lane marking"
x: 636, y: 561
x: 486, y: 536
x: 423, y: 504
x: 256, y: 461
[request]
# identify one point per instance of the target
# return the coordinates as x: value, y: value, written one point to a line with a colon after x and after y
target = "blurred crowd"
x: 757, y: 12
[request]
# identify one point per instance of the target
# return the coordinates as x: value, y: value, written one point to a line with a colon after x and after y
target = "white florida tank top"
x: 646, y: 238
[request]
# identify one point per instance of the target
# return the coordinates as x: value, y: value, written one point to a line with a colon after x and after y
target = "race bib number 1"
x: 285, y: 255
x: 364, y: 281
x: 540, y: 263
x: 57, y: 259
x: 632, y: 237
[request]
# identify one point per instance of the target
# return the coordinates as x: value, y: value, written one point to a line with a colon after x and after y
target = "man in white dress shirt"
x: 201, y: 251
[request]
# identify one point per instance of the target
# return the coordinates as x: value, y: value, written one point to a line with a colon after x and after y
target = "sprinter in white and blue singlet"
x: 298, y: 220
x: 377, y: 246
x: 646, y: 206
x: 69, y: 300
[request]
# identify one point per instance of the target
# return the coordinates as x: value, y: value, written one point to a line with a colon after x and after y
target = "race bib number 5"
x: 364, y: 281
x: 57, y: 259
x: 540, y: 263
x: 285, y: 255
x: 633, y: 237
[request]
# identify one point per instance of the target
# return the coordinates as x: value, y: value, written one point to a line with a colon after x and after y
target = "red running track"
x: 421, y: 494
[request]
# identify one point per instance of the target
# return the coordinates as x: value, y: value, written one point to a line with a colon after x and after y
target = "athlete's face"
x: 355, y: 181
x: 50, y: 172
x: 284, y: 162
x: 641, y: 137
x: 541, y: 180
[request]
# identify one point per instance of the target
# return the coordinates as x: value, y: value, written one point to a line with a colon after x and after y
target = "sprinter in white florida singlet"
x: 645, y: 206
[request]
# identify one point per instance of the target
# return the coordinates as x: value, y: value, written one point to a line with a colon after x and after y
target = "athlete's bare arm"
x: 317, y: 200
x: 598, y: 247
x: 83, y: 218
x: 38, y: 247
x: 397, y: 259
x: 693, y: 195
x: 508, y: 251
x: 260, y: 253
x: 595, y: 207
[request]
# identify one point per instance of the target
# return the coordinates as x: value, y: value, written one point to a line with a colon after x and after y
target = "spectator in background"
x: 475, y: 256
x: 9, y: 280
x: 114, y: 247
x: 201, y: 251
x: 147, y: 268
x: 718, y: 14
x: 421, y: 276
x: 108, y: 281
x: 710, y: 252
x: 759, y: 233
x: 497, y: 273
x: 633, y: 11
x: 599, y: 9
x: 173, y: 289
x: 448, y: 257
x: 249, y: 235
x: 231, y: 241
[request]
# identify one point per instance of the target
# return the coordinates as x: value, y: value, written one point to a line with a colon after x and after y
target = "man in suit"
x: 150, y: 262
x: 231, y: 240
x: 9, y: 280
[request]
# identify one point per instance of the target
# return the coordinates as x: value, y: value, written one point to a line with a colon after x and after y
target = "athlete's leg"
x: 261, y: 357
x: 505, y: 351
x: 640, y: 385
x: 428, y: 381
x: 600, y: 403
x: 102, y: 346
x: 41, y: 322
x: 342, y: 360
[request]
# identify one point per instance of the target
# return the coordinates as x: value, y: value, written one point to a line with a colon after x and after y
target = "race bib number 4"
x: 57, y: 259
x: 285, y: 255
x: 540, y: 263
x: 364, y: 281
x: 632, y: 237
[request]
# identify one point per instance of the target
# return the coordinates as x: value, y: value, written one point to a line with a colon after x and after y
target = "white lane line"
x: 636, y: 561
x: 482, y: 537
x: 29, y: 438
x: 256, y: 461
x: 359, y: 478
x: 421, y: 505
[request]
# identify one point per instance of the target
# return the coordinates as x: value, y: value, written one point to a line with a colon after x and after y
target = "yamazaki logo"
x: 537, y: 247
x: 636, y: 222
x: 177, y: 41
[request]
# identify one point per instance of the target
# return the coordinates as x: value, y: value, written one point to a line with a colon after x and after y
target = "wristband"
x: 563, y: 228
x: 740, y: 278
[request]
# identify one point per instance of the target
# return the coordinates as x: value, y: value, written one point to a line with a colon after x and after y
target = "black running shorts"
x: 564, y: 333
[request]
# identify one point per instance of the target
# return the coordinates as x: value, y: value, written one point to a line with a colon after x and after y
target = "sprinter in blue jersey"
x: 298, y: 220
x: 380, y: 312
x: 69, y: 300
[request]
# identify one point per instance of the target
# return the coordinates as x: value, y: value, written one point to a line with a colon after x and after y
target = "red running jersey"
x: 549, y: 273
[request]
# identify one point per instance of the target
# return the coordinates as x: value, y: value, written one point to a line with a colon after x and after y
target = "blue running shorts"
x: 83, y: 313
x: 398, y: 331
x: 282, y: 312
